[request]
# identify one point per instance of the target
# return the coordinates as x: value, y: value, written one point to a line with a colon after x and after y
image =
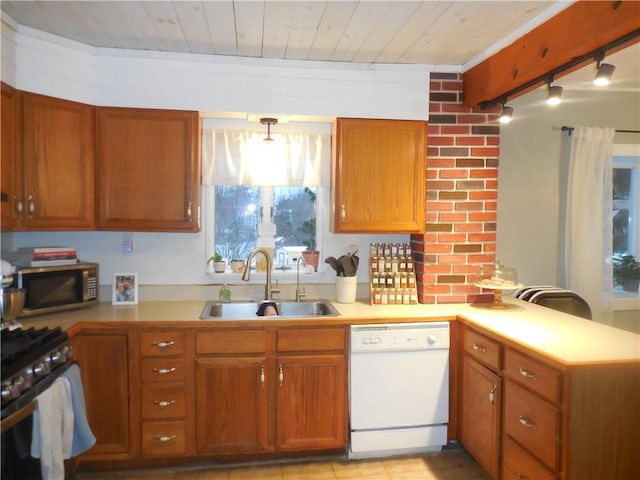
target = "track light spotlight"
x: 506, y: 114
x: 604, y: 74
x: 554, y: 94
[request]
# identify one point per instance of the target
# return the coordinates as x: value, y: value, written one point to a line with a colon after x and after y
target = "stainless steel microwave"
x: 56, y: 288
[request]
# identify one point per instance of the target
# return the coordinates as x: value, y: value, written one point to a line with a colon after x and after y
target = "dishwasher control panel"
x: 400, y: 336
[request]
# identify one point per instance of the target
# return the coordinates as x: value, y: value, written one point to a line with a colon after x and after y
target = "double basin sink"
x: 214, y: 310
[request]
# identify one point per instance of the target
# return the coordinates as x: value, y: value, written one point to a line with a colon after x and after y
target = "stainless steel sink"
x: 286, y: 309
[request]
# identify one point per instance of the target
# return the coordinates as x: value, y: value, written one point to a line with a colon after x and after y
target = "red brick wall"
x: 463, y: 147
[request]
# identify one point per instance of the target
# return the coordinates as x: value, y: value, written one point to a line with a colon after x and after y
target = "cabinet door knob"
x: 164, y: 403
x: 163, y: 371
x: 343, y: 213
x: 189, y: 210
x: 261, y: 376
x: 164, y: 438
x: 17, y: 206
x: 492, y: 395
x: 165, y: 344
x: 31, y: 205
x: 531, y: 376
x: 281, y: 374
x: 527, y: 423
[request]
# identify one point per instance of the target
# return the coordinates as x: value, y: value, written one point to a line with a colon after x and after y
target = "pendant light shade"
x: 268, y: 121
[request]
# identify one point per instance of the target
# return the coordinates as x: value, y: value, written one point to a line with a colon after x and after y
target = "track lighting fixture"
x: 268, y: 121
x: 554, y: 94
x: 603, y: 74
x: 506, y: 114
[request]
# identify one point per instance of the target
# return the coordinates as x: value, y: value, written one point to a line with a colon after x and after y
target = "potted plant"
x: 626, y: 272
x: 308, y: 228
x: 311, y: 255
x: 219, y: 264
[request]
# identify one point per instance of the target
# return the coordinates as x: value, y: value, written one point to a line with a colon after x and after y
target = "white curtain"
x: 242, y: 157
x: 588, y: 219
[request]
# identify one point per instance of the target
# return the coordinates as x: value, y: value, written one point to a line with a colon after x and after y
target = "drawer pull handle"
x: 526, y: 423
x: 164, y: 403
x: 343, y: 213
x: 530, y: 376
x: 261, y: 377
x: 281, y: 374
x: 164, y: 438
x: 479, y: 348
x: 163, y: 344
x: 163, y: 371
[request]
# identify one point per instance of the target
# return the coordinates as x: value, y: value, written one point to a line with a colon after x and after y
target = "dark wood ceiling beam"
x: 582, y: 28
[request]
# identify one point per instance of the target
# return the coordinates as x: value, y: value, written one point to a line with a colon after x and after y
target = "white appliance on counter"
x: 398, y: 388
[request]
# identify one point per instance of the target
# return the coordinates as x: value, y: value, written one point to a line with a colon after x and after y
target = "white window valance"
x: 242, y: 157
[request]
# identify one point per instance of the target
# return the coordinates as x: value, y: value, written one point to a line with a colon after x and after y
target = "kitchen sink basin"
x: 214, y: 310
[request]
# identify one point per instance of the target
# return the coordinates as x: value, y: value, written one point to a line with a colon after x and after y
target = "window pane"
x: 621, y: 199
x: 236, y: 218
x: 295, y: 216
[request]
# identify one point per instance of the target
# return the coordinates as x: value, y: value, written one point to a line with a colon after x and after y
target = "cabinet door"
x: 104, y: 366
x: 379, y: 176
x: 311, y: 411
x: 231, y: 405
x: 480, y: 415
x: 148, y: 170
x: 58, y: 153
x: 11, y: 178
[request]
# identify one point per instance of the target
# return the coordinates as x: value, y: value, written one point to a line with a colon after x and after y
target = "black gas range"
x: 32, y: 359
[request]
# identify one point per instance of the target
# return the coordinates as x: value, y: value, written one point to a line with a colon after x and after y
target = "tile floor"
x: 451, y: 464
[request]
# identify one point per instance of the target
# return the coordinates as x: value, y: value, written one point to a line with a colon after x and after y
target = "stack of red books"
x: 45, y: 256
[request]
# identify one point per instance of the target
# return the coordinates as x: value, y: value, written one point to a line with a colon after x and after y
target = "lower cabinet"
x: 311, y: 402
x: 252, y: 397
x: 231, y: 405
x: 103, y: 357
x: 480, y: 414
x: 166, y: 380
x: 525, y: 416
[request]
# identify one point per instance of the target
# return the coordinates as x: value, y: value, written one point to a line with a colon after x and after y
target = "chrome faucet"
x: 299, y: 294
x: 268, y: 291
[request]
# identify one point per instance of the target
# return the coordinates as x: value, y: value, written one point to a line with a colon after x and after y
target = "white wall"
x: 529, y: 189
x: 62, y: 68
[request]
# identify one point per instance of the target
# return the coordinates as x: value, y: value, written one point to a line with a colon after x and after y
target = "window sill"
x: 625, y: 300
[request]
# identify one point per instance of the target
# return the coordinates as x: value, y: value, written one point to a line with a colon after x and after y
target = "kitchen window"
x: 626, y: 201
x: 267, y: 194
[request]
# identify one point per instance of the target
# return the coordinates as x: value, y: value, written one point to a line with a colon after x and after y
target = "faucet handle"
x: 275, y: 289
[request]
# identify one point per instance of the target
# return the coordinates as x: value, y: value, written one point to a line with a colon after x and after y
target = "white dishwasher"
x: 398, y: 388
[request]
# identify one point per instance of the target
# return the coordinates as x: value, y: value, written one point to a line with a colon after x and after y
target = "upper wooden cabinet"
x: 11, y: 170
x: 148, y: 165
x: 49, y: 186
x: 378, y: 176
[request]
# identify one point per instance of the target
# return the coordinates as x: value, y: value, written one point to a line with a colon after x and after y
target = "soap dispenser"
x: 224, y: 294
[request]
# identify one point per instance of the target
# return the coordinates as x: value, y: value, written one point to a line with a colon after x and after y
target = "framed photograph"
x: 125, y: 289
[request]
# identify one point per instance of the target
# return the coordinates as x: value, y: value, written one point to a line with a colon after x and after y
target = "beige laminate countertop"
x: 568, y: 339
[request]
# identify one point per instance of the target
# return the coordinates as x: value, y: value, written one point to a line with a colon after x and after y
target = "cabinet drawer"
x: 222, y: 342
x: 482, y: 349
x: 533, y: 423
x: 164, y: 400
x: 163, y: 343
x: 311, y: 339
x: 534, y: 375
x: 164, y: 438
x: 163, y: 369
x: 517, y: 464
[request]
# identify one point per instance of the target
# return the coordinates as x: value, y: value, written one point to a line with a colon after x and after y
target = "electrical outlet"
x: 127, y: 244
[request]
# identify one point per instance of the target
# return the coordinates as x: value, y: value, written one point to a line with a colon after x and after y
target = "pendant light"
x: 268, y: 121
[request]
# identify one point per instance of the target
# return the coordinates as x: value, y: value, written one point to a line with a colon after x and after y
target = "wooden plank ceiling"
x: 424, y: 32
